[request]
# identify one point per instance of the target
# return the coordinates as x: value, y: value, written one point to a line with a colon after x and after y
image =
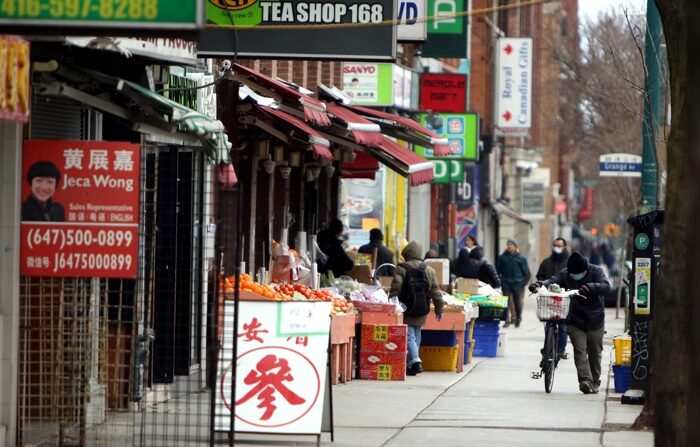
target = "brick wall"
x: 307, y: 74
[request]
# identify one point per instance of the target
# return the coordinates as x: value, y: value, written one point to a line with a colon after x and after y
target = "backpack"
x: 415, y: 291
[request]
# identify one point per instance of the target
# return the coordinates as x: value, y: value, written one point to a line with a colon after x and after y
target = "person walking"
x: 331, y: 245
x: 515, y: 274
x: 383, y: 254
x: 477, y: 266
x: 586, y: 321
x: 415, y: 285
x: 548, y: 268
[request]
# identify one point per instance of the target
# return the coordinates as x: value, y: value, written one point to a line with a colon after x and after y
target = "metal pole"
x: 651, y: 108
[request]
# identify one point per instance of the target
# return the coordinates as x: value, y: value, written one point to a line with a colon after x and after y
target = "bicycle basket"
x: 552, y: 307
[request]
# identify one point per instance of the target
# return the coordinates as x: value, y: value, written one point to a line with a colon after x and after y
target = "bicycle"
x: 552, y: 309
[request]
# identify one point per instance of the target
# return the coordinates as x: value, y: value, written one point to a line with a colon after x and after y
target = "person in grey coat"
x: 586, y: 321
x: 413, y: 256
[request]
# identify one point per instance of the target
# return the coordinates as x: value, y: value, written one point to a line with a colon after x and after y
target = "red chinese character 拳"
x: 252, y: 330
x: 268, y: 383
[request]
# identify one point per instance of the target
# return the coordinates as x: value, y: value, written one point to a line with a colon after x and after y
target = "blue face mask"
x: 577, y: 276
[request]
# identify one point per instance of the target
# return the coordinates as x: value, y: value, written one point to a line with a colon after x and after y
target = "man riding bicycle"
x: 586, y: 321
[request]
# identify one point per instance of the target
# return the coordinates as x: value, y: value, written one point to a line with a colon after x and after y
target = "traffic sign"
x: 620, y: 165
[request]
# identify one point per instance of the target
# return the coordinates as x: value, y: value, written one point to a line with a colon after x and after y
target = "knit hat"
x: 513, y: 241
x: 576, y: 263
x: 375, y: 234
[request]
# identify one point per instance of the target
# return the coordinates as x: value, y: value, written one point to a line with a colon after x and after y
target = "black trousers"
x: 515, y: 302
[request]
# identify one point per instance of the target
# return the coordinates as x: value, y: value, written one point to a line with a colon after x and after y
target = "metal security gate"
x: 109, y: 362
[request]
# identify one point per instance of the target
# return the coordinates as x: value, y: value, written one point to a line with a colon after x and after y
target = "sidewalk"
x: 493, y: 402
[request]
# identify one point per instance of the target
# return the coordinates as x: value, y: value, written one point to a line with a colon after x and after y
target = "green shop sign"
x: 369, y: 84
x: 460, y: 129
x: 447, y: 30
x: 448, y: 171
x: 123, y: 14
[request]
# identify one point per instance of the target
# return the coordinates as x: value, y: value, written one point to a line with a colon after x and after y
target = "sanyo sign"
x: 411, y: 16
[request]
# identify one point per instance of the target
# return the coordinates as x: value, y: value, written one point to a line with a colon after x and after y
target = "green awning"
x: 148, y: 111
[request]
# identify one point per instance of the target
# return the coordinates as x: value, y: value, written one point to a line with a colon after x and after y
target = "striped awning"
x: 404, y: 161
x: 319, y: 144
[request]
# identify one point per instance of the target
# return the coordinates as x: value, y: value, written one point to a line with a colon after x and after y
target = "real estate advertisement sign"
x: 347, y: 30
x: 462, y: 131
x: 80, y: 208
x: 514, y: 86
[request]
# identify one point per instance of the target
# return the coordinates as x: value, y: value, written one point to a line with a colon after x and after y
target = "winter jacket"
x: 35, y: 211
x: 412, y: 255
x: 469, y: 267
x: 552, y: 265
x: 586, y: 313
x: 384, y: 255
x: 514, y: 271
x: 338, y: 262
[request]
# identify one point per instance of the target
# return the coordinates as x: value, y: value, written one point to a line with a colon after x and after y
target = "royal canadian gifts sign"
x: 281, y: 367
x: 80, y: 208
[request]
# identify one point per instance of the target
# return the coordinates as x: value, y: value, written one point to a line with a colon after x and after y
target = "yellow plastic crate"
x: 623, y: 350
x: 439, y: 358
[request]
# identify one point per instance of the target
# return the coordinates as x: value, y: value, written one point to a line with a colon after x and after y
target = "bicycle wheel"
x: 549, y: 357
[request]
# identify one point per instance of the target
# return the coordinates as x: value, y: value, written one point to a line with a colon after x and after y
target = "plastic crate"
x: 623, y: 377
x: 492, y: 313
x: 438, y: 338
x: 439, y: 358
x: 485, y: 345
x: 486, y: 327
x: 623, y: 350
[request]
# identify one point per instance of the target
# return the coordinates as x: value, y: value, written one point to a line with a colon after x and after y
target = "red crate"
x: 382, y: 366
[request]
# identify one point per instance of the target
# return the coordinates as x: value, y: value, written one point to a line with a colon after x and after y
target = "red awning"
x: 319, y: 144
x: 365, y: 131
x: 440, y: 145
x: 363, y: 166
x: 404, y: 161
x: 314, y: 110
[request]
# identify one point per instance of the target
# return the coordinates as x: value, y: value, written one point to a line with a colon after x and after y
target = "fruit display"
x: 288, y: 292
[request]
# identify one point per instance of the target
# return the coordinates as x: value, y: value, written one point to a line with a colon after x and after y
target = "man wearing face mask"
x: 586, y: 321
x: 548, y: 268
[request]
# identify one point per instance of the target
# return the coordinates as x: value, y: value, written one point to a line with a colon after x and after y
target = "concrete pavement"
x: 493, y: 402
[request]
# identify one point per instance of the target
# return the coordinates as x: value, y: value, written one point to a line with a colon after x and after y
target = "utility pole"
x: 651, y: 108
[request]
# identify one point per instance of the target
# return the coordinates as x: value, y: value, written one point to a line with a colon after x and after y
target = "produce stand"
x: 342, y: 347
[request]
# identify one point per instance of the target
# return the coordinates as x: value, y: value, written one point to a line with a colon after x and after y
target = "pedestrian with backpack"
x: 415, y: 285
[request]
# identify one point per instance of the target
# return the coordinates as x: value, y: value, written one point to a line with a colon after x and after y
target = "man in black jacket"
x: 586, y: 319
x: 477, y: 266
x: 384, y: 255
x: 330, y: 244
x: 550, y: 267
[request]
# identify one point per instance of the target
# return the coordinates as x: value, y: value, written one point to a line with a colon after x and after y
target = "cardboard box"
x: 367, y: 306
x: 384, y: 338
x: 383, y: 366
x: 442, y: 270
x: 361, y: 273
x: 467, y: 285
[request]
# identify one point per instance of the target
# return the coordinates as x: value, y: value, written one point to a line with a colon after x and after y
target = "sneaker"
x: 563, y: 356
x: 595, y: 388
x: 507, y: 324
x: 414, y: 369
x: 517, y: 322
x: 586, y: 387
